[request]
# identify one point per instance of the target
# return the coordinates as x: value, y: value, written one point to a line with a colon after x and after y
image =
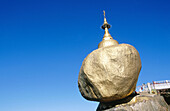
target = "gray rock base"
x: 146, y: 102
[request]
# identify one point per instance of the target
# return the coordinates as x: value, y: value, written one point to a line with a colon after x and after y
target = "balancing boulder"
x: 109, y: 73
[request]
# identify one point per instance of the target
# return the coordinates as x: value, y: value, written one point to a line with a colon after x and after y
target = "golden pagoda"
x: 107, y: 38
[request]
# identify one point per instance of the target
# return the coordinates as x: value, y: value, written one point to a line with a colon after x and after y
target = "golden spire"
x: 107, y: 38
x: 105, y: 21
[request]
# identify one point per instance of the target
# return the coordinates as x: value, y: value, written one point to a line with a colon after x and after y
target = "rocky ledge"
x: 142, y: 102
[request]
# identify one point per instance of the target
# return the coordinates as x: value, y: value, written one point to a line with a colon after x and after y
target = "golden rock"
x: 109, y: 73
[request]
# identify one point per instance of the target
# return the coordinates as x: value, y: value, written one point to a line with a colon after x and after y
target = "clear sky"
x: 43, y: 44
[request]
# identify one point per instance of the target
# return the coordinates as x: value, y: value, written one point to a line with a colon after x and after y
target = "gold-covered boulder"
x: 109, y: 73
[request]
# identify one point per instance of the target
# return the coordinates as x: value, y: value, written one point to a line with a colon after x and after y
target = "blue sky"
x: 43, y: 44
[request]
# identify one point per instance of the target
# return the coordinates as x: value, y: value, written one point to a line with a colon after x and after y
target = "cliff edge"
x: 142, y: 102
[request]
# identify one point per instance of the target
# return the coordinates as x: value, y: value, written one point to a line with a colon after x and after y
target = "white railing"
x: 161, y: 84
x: 157, y: 85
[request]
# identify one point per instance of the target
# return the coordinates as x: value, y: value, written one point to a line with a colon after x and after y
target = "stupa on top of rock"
x: 109, y: 75
x: 107, y: 38
x: 110, y: 72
